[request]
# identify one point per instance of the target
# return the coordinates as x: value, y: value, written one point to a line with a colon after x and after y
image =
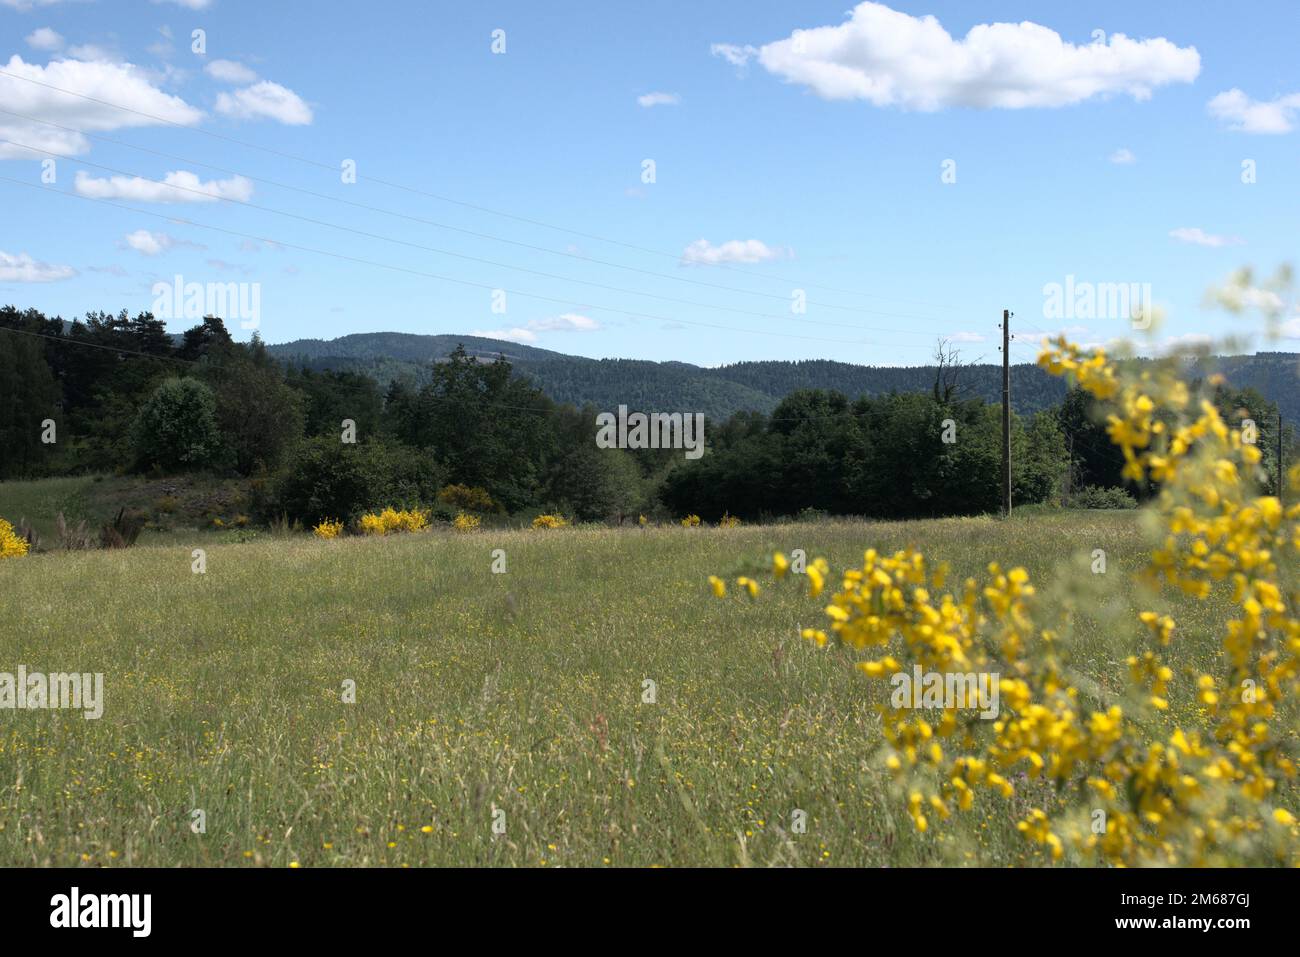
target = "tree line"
x: 123, y: 395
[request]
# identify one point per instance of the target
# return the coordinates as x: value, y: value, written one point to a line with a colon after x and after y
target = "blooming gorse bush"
x: 390, y: 521
x: 464, y: 522
x: 11, y: 544
x: 550, y: 521
x: 328, y: 528
x: 1192, y: 769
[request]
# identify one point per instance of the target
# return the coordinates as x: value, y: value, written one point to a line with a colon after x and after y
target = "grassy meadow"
x: 479, y: 693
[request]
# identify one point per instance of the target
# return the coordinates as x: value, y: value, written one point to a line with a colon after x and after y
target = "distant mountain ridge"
x: 743, y: 386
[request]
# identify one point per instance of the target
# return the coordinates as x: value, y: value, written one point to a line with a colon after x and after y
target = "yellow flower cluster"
x: 550, y: 521
x: 11, y: 545
x: 728, y: 521
x: 691, y: 521
x: 391, y: 520
x: 1098, y: 776
x: 328, y: 528
x: 464, y: 522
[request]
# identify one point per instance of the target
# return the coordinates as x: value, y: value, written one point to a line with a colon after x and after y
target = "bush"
x: 1092, y: 496
x: 176, y: 430
x: 466, y: 499
x: 550, y: 521
x: 327, y: 479
x: 1194, y: 767
x: 11, y: 545
x: 392, y: 520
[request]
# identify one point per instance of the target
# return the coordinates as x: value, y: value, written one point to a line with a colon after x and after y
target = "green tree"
x: 176, y: 429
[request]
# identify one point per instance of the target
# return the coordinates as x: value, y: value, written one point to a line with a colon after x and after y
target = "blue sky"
x: 783, y: 161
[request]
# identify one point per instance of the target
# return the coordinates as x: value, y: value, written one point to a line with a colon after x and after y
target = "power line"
x: 441, y: 198
x: 418, y: 219
x: 446, y: 252
x: 428, y: 275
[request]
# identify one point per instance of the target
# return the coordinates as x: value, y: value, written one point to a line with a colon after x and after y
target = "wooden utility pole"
x: 1006, y: 413
x: 1280, y: 496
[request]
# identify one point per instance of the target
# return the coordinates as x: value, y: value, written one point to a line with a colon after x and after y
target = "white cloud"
x: 1123, y: 156
x: 190, y: 189
x: 737, y: 56
x: 659, y: 99
x: 44, y: 38
x: 568, y: 322
x: 22, y: 6
x: 1245, y: 115
x: 229, y: 71
x: 966, y: 337
x: 702, y: 252
x: 154, y: 244
x: 189, y: 4
x: 120, y: 83
x: 1199, y: 237
x: 893, y: 59
x: 23, y: 268
x: 265, y: 99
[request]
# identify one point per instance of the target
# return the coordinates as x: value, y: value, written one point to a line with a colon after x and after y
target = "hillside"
x: 722, y: 391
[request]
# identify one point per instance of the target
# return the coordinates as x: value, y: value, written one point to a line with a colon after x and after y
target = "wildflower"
x: 328, y: 528
x: 12, y: 545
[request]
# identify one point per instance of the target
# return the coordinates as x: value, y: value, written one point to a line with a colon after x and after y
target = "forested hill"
x: 720, y: 392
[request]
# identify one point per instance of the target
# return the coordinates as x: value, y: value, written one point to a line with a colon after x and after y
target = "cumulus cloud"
x: 268, y: 100
x: 658, y: 99
x: 567, y: 322
x: 702, y: 252
x: 1199, y: 237
x: 180, y: 186
x: 1245, y: 115
x: 43, y: 38
x: 1123, y: 156
x: 120, y: 83
x: 148, y: 243
x: 890, y: 58
x: 230, y: 71
x: 23, y: 268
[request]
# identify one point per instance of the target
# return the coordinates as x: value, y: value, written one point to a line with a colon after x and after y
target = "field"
x: 479, y: 693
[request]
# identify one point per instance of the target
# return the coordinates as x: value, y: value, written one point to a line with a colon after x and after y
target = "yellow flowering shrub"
x: 1174, y: 768
x: 691, y: 521
x: 728, y: 521
x: 464, y: 522
x: 11, y: 545
x: 550, y: 521
x: 329, y: 528
x: 391, y: 520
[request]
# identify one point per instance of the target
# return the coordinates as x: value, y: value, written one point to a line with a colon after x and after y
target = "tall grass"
x: 478, y: 692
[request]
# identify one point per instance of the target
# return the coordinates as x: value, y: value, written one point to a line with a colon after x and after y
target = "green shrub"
x: 1093, y: 496
x: 176, y: 429
x: 326, y: 478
